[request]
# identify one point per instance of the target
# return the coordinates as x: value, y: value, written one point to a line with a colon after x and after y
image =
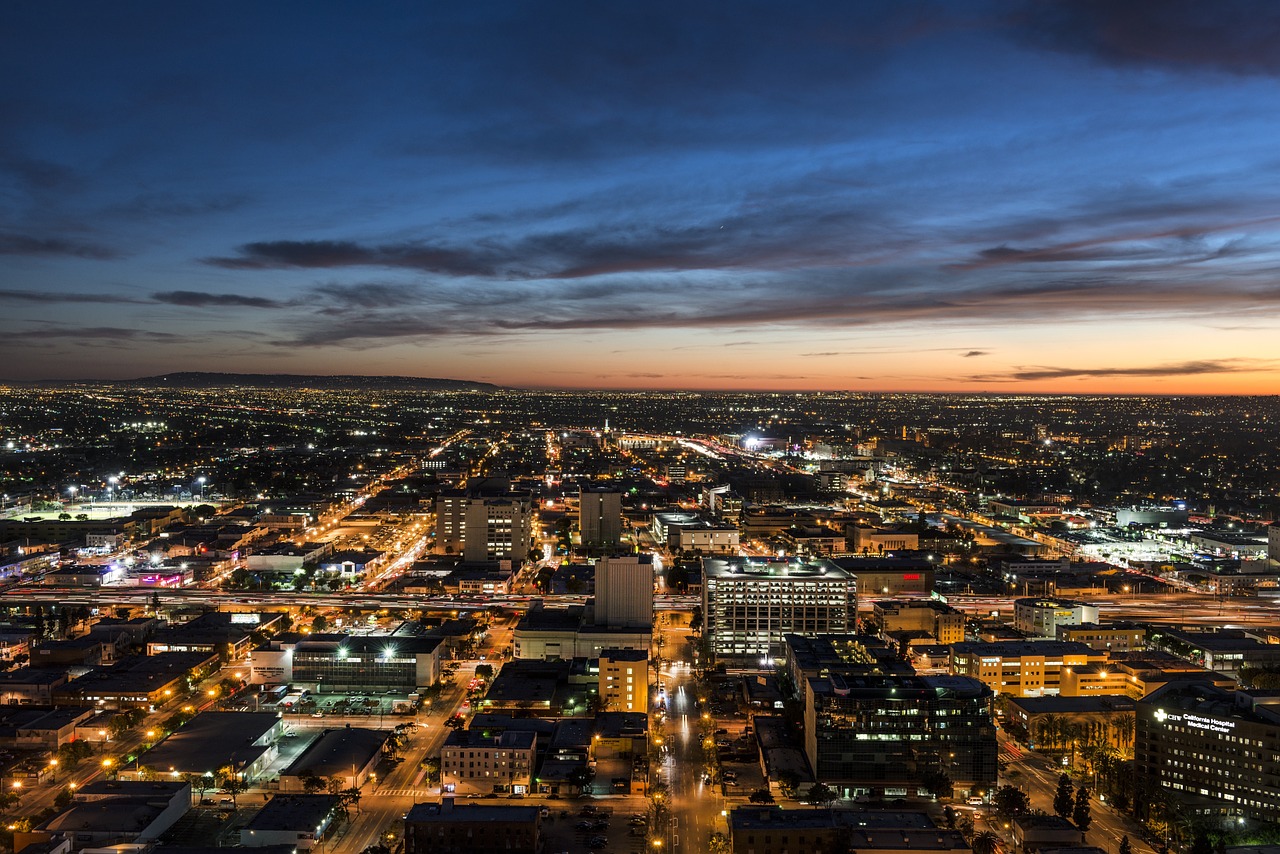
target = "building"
x: 624, y: 592
x: 1162, y: 517
x: 1222, y: 650
x: 1035, y: 833
x: 498, y: 528
x: 298, y: 820
x: 446, y: 828
x: 624, y: 680
x: 773, y: 830
x: 562, y: 634
x: 142, y: 682
x: 1022, y: 668
x: 889, y: 576
x: 348, y: 663
x: 896, y: 736
x: 1112, y: 637
x: 478, y: 763
x: 1273, y: 543
x: 1047, y: 723
x: 749, y: 604
x: 1212, y: 751
x: 1040, y: 618
x: 349, y: 754
x: 211, y: 741
x: 866, y: 540
x: 690, y: 532
x: 600, y: 517
x: 936, y: 620
x: 110, y: 812
x: 821, y: 655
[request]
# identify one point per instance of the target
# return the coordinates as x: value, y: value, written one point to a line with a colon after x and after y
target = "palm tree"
x: 985, y: 842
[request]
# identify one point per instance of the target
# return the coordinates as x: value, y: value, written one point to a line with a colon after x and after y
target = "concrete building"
x: 348, y: 663
x: 1039, y: 720
x: 889, y: 576
x: 600, y: 517
x: 750, y: 603
x: 941, y: 623
x: 1040, y: 618
x: 893, y: 735
x: 624, y: 592
x: 211, y: 741
x: 1022, y: 668
x: 866, y: 540
x: 499, y: 528
x: 624, y: 680
x: 297, y: 820
x: 1112, y: 637
x: 1225, y: 650
x: 690, y: 532
x: 105, y: 813
x: 349, y: 754
x: 562, y: 634
x: 446, y: 828
x: 476, y: 763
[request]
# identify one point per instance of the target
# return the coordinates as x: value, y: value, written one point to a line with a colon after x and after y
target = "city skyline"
x: 1004, y: 196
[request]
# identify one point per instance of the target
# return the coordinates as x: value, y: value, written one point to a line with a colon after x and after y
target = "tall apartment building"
x: 750, y: 603
x: 600, y: 517
x: 624, y: 680
x: 892, y: 735
x: 624, y: 592
x: 484, y: 525
x: 498, y: 528
x: 1040, y: 618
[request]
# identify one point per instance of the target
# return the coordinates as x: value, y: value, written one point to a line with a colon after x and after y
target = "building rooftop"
x: 336, y: 751
x: 793, y: 569
x: 210, y: 741
x: 1072, y: 705
x: 1024, y: 649
x: 446, y: 811
x: 294, y: 813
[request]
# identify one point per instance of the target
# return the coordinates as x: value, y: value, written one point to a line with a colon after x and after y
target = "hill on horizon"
x: 210, y: 379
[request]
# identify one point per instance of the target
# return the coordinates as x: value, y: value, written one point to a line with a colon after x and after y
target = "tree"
x: 1082, y: 814
x: 312, y: 784
x: 985, y: 842
x: 456, y: 722
x: 1063, y: 800
x: 351, y: 798
x: 820, y: 794
x: 484, y: 671
x: 319, y: 623
x: 761, y: 796
x: 1010, y: 801
x: 939, y: 784
x: 232, y: 782
x: 1126, y: 847
x: 788, y: 781
x: 695, y: 621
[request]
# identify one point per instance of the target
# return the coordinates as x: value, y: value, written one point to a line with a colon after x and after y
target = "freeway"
x: 233, y: 600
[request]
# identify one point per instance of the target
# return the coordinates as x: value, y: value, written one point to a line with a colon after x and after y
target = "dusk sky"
x: 1007, y: 196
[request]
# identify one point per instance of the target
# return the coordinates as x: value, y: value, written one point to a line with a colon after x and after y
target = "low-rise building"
x: 143, y: 682
x: 1035, y: 833
x: 1040, y: 618
x: 349, y: 755
x: 244, y: 742
x: 939, y: 622
x: 472, y: 762
x: 1022, y: 668
x: 1053, y: 723
x: 298, y: 820
x: 624, y: 680
x: 110, y: 812
x: 348, y: 663
x: 1110, y: 637
x: 446, y: 828
x: 772, y: 830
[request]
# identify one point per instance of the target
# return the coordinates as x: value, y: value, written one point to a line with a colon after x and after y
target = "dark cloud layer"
x: 201, y: 299
x: 1181, y: 369
x: 25, y: 244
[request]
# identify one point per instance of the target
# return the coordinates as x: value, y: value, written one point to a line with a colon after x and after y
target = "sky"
x: 1022, y: 196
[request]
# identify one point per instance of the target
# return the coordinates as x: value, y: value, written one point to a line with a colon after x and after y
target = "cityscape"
x: 664, y: 428
x: 241, y: 612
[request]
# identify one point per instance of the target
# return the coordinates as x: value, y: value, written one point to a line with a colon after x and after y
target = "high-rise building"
x: 600, y: 517
x: 624, y: 680
x: 498, y: 527
x: 624, y: 592
x: 750, y: 603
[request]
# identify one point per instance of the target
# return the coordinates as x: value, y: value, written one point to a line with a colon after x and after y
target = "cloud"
x: 328, y: 254
x: 974, y: 353
x: 1234, y: 36
x: 1180, y: 369
x: 14, y: 295
x: 369, y: 295
x: 74, y: 334
x: 202, y: 299
x: 23, y: 244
